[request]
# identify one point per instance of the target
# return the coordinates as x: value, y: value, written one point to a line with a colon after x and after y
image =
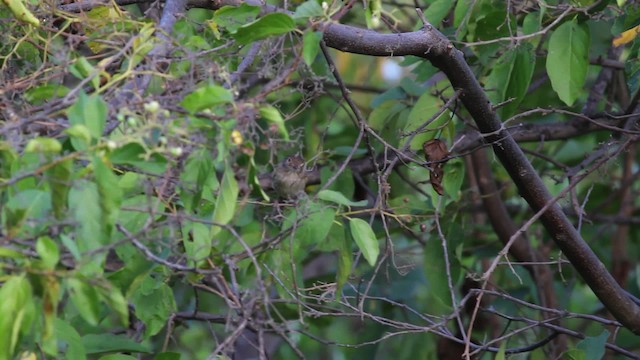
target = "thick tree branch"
x: 431, y: 45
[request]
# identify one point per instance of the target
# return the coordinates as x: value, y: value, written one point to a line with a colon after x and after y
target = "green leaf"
x: 314, y: 227
x: 197, y: 241
x: 67, y: 334
x: 268, y: 25
x: 103, y: 343
x: 136, y: 155
x: 453, y: 178
x: 426, y: 106
x: 197, y: 176
x: 90, y: 111
x: 227, y: 199
x: 437, y: 11
x: 167, y: 356
x: 84, y: 201
x: 206, y: 97
x: 501, y: 353
x: 385, y: 112
x: 46, y: 92
x: 48, y: 251
x: 59, y: 178
x: 43, y: 145
x: 81, y: 134
x: 594, y: 346
x: 345, y: 261
x: 117, y: 356
x: 233, y: 17
x: 16, y: 309
x: 339, y: 198
x: 576, y: 354
x: 116, y: 301
x: 434, y: 270
x: 110, y: 195
x: 308, y: 9
x: 568, y: 60
x: 154, y: 302
x: 510, y: 78
x: 310, y: 46
x: 365, y: 239
x: 85, y: 299
x: 82, y: 69
x: 272, y: 115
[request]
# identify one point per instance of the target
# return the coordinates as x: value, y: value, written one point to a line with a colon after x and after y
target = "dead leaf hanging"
x: 435, y: 151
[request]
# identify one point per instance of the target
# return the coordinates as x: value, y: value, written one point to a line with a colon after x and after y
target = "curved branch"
x: 431, y: 45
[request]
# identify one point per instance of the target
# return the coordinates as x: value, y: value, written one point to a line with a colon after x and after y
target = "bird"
x: 289, y: 178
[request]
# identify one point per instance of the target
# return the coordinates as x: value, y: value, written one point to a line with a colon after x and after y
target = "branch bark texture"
x: 431, y: 45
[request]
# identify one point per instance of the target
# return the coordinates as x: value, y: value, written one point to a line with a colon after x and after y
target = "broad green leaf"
x: 268, y: 25
x: 308, y: 9
x: 594, y: 346
x: 227, y: 199
x: 59, y: 178
x: 510, y: 78
x: 575, y: 354
x: 81, y: 134
x: 453, y: 178
x: 501, y: 353
x: 116, y: 301
x: 426, y: 106
x: 434, y: 270
x: 366, y: 239
x: 437, y: 11
x: 339, y: 198
x: 67, y: 334
x: 197, y: 241
x: 85, y: 299
x: 197, y: 176
x: 272, y: 115
x: 43, y: 145
x: 84, y: 202
x: 118, y: 356
x: 310, y: 46
x: 90, y: 111
x: 154, y: 302
x: 314, y: 227
x: 206, y: 97
x: 167, y: 356
x: 46, y: 92
x: 460, y: 14
x: 135, y: 154
x: 345, y: 261
x: 16, y: 310
x: 384, y: 112
x: 568, y: 60
x: 7, y: 157
x: 110, y: 195
x: 83, y: 69
x: 233, y: 17
x: 48, y: 251
x: 104, y: 343
x: 532, y: 22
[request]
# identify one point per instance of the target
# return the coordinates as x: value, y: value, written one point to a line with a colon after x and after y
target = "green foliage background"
x: 136, y: 220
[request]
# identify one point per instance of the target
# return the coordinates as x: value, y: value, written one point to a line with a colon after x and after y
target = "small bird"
x: 289, y: 178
